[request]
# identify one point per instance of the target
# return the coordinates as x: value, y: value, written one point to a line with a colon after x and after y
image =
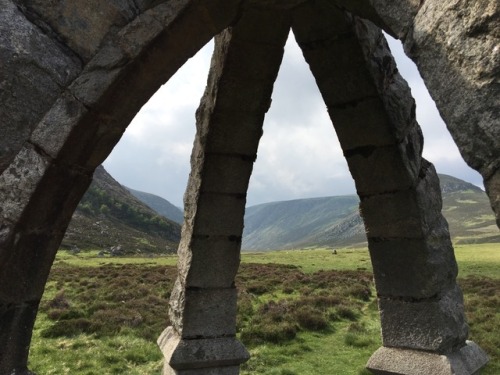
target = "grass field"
x: 300, y: 312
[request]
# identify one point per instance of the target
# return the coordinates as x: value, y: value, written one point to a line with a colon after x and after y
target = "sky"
x: 299, y: 155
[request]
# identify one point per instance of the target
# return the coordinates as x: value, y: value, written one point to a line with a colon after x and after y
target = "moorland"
x: 306, y: 311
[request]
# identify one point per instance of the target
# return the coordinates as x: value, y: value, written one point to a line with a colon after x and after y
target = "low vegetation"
x: 102, y: 316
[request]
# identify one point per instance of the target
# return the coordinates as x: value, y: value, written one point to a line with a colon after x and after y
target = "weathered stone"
x: 355, y: 129
x: 249, y: 92
x: 17, y: 185
x: 214, y: 263
x: 201, y: 356
x: 356, y: 57
x: 395, y: 17
x: 83, y: 25
x: 16, y: 325
x: 219, y: 214
x: 384, y: 169
x: 409, y: 214
x: 209, y: 313
x: 413, y: 268
x: 134, y: 37
x: 33, y: 68
x: 458, y: 42
x: 392, y: 88
x: 130, y: 48
x: 216, y: 192
x: 466, y: 360
x: 318, y: 24
x: 351, y: 82
x: 54, y: 129
x: 492, y: 185
x: 41, y: 224
x: 234, y: 132
x: 435, y: 324
x: 226, y: 173
x: 95, y: 81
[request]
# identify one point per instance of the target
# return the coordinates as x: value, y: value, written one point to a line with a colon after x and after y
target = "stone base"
x: 393, y: 361
x: 212, y: 356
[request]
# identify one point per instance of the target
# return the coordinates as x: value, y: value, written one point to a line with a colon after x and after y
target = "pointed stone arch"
x: 51, y: 167
x: 48, y: 167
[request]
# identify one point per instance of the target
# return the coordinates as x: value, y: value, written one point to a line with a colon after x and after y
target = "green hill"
x: 160, y: 205
x: 109, y: 216
x: 335, y: 221
x: 296, y: 223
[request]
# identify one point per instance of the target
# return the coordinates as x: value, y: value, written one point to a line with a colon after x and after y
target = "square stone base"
x: 468, y: 360
x: 203, y: 356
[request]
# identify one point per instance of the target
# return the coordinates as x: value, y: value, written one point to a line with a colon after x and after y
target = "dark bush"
x: 347, y: 313
x: 311, y: 319
x: 269, y: 332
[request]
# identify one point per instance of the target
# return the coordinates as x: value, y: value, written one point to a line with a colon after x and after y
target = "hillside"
x: 109, y: 216
x: 326, y: 222
x: 335, y: 221
x: 295, y: 223
x: 158, y: 204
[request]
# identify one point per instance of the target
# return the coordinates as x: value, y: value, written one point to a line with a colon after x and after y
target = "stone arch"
x: 53, y: 162
x: 49, y: 165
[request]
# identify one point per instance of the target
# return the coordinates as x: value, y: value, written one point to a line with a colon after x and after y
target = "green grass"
x: 92, y: 259
x: 478, y: 259
x: 315, y: 259
x: 474, y: 259
x: 315, y: 313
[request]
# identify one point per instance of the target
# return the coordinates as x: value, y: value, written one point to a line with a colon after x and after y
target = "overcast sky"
x: 299, y: 155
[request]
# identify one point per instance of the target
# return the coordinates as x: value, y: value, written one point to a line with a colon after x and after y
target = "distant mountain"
x: 110, y: 216
x: 335, y: 221
x: 468, y: 212
x: 295, y: 223
x: 160, y: 205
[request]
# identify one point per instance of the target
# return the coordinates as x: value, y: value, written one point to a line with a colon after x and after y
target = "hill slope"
x: 335, y: 221
x: 294, y: 223
x: 158, y: 204
x: 108, y: 215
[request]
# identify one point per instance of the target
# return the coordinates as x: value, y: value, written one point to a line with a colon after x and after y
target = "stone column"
x: 421, y: 307
x: 456, y: 42
x: 244, y: 67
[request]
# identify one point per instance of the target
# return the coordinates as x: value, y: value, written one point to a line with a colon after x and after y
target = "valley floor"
x: 300, y: 312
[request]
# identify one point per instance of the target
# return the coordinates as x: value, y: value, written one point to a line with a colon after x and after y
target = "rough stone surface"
x: 406, y: 214
x: 374, y: 113
x: 15, y: 334
x: 216, y: 262
x: 466, y: 360
x: 73, y: 74
x: 395, y: 17
x: 434, y: 324
x: 33, y: 68
x: 209, y: 313
x: 82, y: 25
x: 77, y: 135
x: 384, y: 169
x: 201, y: 356
x: 492, y: 185
x: 458, y: 42
x: 239, y: 82
x: 413, y: 268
